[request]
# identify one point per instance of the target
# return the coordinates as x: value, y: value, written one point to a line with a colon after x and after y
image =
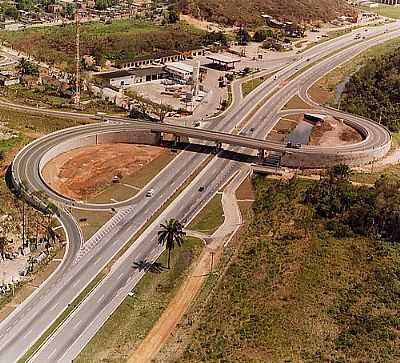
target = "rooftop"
x: 139, y: 72
x: 221, y: 58
x: 180, y: 66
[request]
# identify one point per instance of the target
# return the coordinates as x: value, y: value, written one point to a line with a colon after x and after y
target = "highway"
x: 27, y: 323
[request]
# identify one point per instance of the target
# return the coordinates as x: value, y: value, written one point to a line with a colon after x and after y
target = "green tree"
x: 70, y: 9
x: 173, y: 16
x: 216, y: 37
x: 25, y: 5
x: 11, y: 11
x: 103, y: 4
x: 243, y: 36
x: 260, y: 35
x: 171, y: 233
x: 340, y: 171
x: 26, y: 67
x: 3, y: 243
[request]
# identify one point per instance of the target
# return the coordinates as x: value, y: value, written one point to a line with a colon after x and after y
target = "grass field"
x: 120, y: 40
x: 134, y: 318
x: 250, y: 85
x: 210, y: 218
x: 90, y: 222
x: 294, y: 293
x: 297, y: 103
x: 324, y: 89
x: 43, y: 97
x: 386, y: 10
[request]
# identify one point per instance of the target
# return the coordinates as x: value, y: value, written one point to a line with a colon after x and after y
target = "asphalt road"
x: 24, y: 326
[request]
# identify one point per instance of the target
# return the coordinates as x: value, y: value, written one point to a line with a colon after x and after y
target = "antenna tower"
x: 77, y: 98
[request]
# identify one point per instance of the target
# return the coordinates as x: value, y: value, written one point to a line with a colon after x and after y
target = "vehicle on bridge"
x: 291, y: 145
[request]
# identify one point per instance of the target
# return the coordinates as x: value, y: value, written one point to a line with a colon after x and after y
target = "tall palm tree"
x: 3, y: 243
x: 171, y: 233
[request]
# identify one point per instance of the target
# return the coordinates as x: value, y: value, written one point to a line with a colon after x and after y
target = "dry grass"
x: 90, y: 222
x: 281, y: 130
x: 245, y: 190
x: 294, y: 293
x: 324, y: 90
x: 134, y: 318
x: 296, y: 103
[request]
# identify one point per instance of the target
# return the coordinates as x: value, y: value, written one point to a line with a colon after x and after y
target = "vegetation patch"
x: 281, y: 130
x: 389, y: 11
x: 118, y: 41
x: 373, y: 90
x: 134, y: 318
x: 297, y: 291
x: 297, y: 103
x: 355, y: 98
x: 252, y: 84
x: 239, y: 12
x: 210, y: 217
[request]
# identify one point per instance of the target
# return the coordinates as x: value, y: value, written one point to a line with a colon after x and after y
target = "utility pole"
x: 77, y: 98
x: 23, y: 223
x: 212, y: 261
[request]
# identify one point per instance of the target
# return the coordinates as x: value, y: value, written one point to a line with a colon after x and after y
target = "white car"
x: 150, y: 193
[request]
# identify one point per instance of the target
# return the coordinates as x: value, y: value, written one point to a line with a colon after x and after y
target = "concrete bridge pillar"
x: 218, y: 146
x: 261, y: 155
x: 177, y: 140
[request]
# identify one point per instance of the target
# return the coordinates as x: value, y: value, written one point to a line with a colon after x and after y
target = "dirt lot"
x: 333, y: 132
x: 84, y: 172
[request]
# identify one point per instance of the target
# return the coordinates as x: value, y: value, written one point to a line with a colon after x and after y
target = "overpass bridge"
x: 375, y: 144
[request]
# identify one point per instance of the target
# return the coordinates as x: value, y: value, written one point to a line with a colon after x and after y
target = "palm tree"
x: 3, y: 243
x: 171, y: 232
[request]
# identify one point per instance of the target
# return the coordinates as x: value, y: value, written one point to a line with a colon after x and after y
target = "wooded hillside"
x: 248, y: 12
x: 373, y: 91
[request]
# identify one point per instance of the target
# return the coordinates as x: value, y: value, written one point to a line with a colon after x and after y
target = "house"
x: 127, y: 77
x: 162, y: 58
x: 7, y: 79
x: 55, y: 9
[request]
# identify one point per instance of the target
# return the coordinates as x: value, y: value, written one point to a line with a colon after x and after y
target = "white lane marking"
x: 101, y: 298
x: 120, y: 276
x: 54, y: 306
x: 76, y: 283
x: 97, y: 261
x: 77, y: 324
x: 28, y: 333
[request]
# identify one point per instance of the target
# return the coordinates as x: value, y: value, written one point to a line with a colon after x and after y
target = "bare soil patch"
x: 84, y: 172
x: 283, y: 128
x: 334, y: 132
x: 319, y: 94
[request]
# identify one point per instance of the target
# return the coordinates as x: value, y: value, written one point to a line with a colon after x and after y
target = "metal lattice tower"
x: 77, y: 98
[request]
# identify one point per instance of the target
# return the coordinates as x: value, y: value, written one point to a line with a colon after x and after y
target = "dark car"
x: 293, y: 146
x: 201, y: 189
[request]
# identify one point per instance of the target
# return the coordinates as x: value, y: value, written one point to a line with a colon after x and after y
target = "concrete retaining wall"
x: 124, y: 137
x: 311, y: 160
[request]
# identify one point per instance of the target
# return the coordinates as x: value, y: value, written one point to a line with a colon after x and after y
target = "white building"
x: 179, y: 70
x: 128, y: 77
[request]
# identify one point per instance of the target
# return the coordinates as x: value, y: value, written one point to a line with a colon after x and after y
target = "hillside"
x: 313, y: 280
x: 248, y: 12
x: 373, y: 91
x: 119, y: 41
